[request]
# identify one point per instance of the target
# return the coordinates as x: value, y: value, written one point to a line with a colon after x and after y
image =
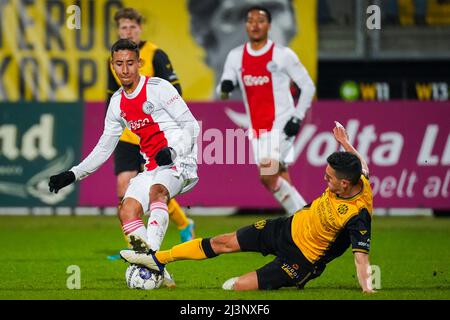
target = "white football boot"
x: 168, y: 281
x: 141, y: 253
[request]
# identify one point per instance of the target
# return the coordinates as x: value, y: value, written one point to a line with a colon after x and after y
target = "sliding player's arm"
x: 359, y: 229
x: 363, y: 271
x: 342, y: 137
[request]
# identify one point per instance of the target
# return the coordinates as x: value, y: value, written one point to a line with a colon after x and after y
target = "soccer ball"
x: 140, y: 277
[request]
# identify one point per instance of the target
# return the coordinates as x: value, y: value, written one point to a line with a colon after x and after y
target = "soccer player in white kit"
x: 264, y: 71
x: 153, y: 110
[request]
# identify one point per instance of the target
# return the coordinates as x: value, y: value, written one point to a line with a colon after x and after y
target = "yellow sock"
x: 177, y: 214
x: 190, y: 250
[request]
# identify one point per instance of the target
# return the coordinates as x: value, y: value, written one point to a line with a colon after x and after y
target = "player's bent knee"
x: 159, y: 193
x: 225, y: 243
x: 268, y: 167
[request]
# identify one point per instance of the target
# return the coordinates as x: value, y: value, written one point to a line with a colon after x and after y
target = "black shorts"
x: 290, y: 267
x: 127, y: 157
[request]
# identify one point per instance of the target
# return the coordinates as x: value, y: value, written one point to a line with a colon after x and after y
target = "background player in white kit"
x: 264, y: 71
x: 153, y: 110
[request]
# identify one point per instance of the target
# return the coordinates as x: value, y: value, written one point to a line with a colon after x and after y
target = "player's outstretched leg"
x: 145, y: 259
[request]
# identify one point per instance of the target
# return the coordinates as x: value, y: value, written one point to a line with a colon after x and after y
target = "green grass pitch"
x: 413, y: 255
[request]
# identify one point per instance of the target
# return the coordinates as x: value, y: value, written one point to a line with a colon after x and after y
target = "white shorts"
x: 175, y: 181
x: 273, y: 145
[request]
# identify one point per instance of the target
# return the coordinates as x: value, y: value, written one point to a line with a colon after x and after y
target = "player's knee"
x: 159, y: 193
x: 269, y: 167
x: 269, y: 181
x: 224, y: 243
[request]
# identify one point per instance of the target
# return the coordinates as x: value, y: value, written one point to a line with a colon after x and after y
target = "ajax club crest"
x: 148, y: 107
x: 272, y: 66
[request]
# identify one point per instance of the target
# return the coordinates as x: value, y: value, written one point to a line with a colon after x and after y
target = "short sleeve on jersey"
x: 359, y: 228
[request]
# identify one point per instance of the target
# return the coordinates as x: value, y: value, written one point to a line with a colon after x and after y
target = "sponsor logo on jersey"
x: 251, y: 81
x: 173, y: 99
x: 138, y: 124
x: 148, y: 107
x: 272, y: 66
x: 363, y: 244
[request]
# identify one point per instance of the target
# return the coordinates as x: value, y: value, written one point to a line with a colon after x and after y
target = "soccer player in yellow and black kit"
x: 303, y: 243
x: 127, y: 158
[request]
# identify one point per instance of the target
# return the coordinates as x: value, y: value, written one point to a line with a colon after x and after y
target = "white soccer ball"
x: 140, y: 277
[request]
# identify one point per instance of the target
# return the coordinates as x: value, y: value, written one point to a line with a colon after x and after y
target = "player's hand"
x: 165, y: 156
x: 225, y: 89
x: 340, y: 133
x: 60, y: 181
x: 292, y: 127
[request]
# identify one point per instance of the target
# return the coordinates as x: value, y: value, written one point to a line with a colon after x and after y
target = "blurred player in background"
x: 263, y: 70
x: 218, y: 26
x: 127, y: 158
x: 151, y: 108
x: 303, y: 243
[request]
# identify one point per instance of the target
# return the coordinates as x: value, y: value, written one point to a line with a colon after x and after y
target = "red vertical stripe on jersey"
x: 258, y: 85
x: 152, y: 139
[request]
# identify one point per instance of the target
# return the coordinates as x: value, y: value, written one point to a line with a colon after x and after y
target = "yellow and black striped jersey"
x: 156, y: 63
x: 325, y: 229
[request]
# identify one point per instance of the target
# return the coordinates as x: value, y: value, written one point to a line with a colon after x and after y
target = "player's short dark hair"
x: 260, y: 8
x: 125, y: 44
x: 347, y: 166
x: 128, y: 13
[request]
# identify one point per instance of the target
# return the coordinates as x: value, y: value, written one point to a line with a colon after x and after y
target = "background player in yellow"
x: 303, y: 243
x: 127, y: 158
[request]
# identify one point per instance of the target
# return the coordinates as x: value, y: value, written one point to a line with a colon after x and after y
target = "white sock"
x: 288, y: 196
x: 157, y: 224
x: 135, y: 227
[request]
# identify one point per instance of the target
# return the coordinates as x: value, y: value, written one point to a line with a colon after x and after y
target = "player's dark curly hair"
x: 347, y: 166
x: 125, y: 44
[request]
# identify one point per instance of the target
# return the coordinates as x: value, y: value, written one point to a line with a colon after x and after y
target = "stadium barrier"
x: 406, y: 143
